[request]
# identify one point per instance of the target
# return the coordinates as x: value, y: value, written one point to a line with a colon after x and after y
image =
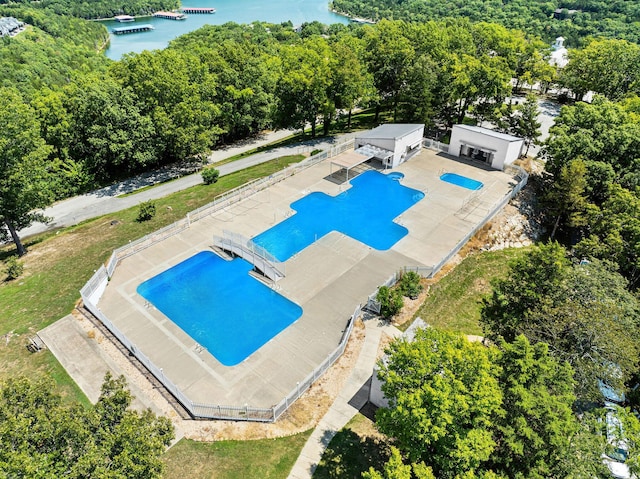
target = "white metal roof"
x: 391, y: 131
x: 349, y: 159
x: 371, y: 151
x: 488, y: 132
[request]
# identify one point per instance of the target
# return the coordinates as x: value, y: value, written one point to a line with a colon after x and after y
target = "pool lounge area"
x: 328, y: 279
x: 231, y: 313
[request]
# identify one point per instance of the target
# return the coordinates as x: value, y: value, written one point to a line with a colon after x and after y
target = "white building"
x: 392, y: 144
x: 10, y: 26
x: 495, y: 149
x: 559, y: 54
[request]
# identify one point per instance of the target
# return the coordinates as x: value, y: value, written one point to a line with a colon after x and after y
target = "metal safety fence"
x: 242, y: 192
x: 519, y: 174
x: 435, y: 145
x: 202, y: 410
x: 95, y: 287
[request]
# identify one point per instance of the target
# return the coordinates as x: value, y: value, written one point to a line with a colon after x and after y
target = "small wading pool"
x: 462, y: 181
x: 220, y: 305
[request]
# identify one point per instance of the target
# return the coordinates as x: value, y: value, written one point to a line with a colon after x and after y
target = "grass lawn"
x: 264, y: 458
x: 353, y: 450
x: 59, y: 263
x: 454, y: 302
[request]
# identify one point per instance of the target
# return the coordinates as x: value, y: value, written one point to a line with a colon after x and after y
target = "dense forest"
x: 96, y: 9
x: 575, y: 20
x: 223, y: 83
x: 52, y: 51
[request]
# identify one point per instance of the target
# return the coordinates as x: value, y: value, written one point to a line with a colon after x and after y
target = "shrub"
x: 146, y: 211
x: 390, y: 300
x: 410, y: 284
x: 315, y: 152
x: 210, y: 175
x: 13, y: 268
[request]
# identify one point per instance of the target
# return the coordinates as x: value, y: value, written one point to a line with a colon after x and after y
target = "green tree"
x: 595, y: 148
x: 601, y: 131
x: 565, y: 199
x: 614, y: 233
x: 443, y: 395
x: 209, y: 175
x: 527, y: 125
x: 24, y: 179
x: 302, y: 89
x: 110, y: 135
x: 531, y: 280
x: 390, y: 300
x: 631, y: 431
x: 583, y: 457
x: 417, y: 99
x: 605, y: 66
x: 389, y: 54
x: 68, y: 176
x: 13, y: 268
x: 177, y: 92
x: 584, y: 312
x: 534, y: 429
x: 394, y: 468
x: 146, y: 211
x: 42, y: 436
x: 308, y: 29
x: 351, y: 83
x: 410, y: 284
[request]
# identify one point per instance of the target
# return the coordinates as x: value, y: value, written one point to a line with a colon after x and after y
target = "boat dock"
x: 197, y: 10
x: 170, y: 15
x: 132, y: 29
x: 123, y: 18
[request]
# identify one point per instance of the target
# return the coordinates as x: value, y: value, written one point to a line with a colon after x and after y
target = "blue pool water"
x: 462, y: 181
x: 364, y: 212
x: 220, y: 305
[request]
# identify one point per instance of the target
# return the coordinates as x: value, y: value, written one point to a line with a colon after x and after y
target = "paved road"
x: 547, y: 113
x: 106, y: 200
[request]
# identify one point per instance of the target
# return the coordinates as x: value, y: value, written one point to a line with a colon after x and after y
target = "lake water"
x: 239, y: 11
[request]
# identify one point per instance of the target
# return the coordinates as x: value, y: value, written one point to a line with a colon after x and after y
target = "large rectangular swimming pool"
x: 220, y: 305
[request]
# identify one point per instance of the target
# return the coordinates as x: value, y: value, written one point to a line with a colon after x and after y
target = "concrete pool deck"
x: 329, y: 279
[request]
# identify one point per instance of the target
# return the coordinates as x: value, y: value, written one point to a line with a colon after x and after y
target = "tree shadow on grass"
x: 349, y: 455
